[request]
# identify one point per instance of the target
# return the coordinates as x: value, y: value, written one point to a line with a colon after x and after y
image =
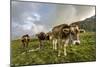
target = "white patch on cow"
x: 26, y: 38
x: 76, y: 41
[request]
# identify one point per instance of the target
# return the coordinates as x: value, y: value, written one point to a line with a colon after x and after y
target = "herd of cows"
x: 60, y: 37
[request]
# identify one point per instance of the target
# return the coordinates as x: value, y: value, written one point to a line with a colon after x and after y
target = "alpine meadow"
x: 31, y: 44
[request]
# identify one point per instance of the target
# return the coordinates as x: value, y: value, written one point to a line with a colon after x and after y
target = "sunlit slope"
x: 86, y: 51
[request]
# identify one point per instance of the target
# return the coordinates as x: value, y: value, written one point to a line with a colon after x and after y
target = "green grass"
x: 84, y: 52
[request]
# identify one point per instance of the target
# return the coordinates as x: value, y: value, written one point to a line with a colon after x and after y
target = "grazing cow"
x: 25, y: 40
x: 63, y: 35
x: 41, y: 37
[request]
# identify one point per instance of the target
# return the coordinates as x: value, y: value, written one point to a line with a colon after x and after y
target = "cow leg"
x: 50, y: 40
x: 40, y: 45
x: 55, y: 44
x: 23, y: 44
x: 59, y: 47
x: 65, y: 49
x: 65, y: 46
x: 26, y: 44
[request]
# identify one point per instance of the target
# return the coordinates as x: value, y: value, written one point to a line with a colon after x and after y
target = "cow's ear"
x: 77, y: 29
x: 66, y: 30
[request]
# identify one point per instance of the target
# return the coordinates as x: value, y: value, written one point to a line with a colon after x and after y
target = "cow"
x: 41, y: 37
x: 63, y: 35
x: 25, y: 40
x: 49, y: 37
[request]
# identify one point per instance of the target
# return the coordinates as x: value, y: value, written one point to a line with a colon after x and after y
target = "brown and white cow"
x: 63, y: 35
x: 25, y: 40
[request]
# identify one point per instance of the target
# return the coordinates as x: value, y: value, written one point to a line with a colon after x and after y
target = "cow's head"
x: 73, y: 33
x: 41, y: 36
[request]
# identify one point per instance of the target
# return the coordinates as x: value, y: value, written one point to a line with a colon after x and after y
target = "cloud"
x: 33, y: 28
x: 72, y: 13
x: 28, y: 28
x: 38, y: 28
x: 31, y: 18
x: 28, y: 25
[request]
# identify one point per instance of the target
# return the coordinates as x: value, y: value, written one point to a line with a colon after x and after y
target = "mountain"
x: 88, y: 24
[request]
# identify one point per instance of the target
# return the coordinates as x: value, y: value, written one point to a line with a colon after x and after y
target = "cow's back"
x: 58, y: 30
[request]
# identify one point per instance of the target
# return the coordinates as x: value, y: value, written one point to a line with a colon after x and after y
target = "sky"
x: 34, y: 17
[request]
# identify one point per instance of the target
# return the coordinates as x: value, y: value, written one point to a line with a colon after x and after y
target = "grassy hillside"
x: 86, y: 51
x: 88, y: 24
